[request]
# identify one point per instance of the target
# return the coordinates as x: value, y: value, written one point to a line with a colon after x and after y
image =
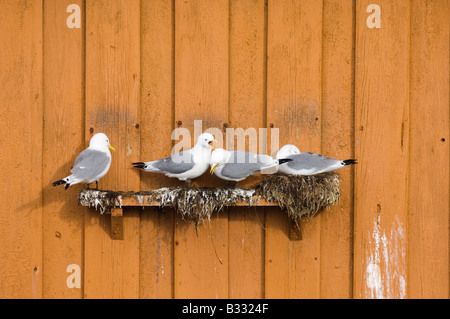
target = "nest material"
x: 99, y: 199
x: 197, y: 204
x: 298, y: 195
x: 194, y: 204
x: 301, y: 195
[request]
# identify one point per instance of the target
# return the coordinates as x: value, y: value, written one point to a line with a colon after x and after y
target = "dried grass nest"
x: 301, y: 196
x: 298, y: 195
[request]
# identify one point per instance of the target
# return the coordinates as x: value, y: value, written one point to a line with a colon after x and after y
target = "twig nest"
x: 194, y: 204
x: 298, y: 195
x: 197, y: 204
x: 100, y: 200
x: 301, y: 195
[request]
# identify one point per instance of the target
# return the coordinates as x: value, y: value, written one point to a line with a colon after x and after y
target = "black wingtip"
x: 139, y: 165
x: 60, y: 182
x: 284, y: 160
x: 350, y: 162
x: 67, y: 186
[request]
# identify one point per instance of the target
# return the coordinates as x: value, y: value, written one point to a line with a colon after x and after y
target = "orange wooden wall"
x: 311, y: 68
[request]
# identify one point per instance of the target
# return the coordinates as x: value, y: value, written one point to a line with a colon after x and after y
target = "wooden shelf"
x: 113, y: 203
x: 297, y: 195
x: 145, y: 201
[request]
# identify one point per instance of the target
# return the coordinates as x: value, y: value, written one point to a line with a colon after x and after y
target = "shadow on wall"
x: 56, y: 200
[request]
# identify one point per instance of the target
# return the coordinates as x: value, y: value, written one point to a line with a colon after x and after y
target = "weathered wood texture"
x: 382, y: 85
x: 63, y: 220
x: 21, y: 122
x: 138, y: 69
x: 294, y: 102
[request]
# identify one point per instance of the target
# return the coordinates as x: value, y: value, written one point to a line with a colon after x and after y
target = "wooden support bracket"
x: 295, y: 232
x: 117, y: 223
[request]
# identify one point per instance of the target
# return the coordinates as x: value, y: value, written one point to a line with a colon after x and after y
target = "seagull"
x: 237, y: 165
x: 92, y: 164
x: 185, y: 165
x: 306, y: 163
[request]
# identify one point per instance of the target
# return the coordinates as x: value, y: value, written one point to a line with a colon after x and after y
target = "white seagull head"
x: 206, y: 140
x: 100, y: 141
x: 218, y: 157
x: 286, y: 150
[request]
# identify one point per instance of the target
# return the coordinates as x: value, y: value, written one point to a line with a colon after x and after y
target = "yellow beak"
x: 111, y: 148
x: 213, y: 169
x: 212, y: 144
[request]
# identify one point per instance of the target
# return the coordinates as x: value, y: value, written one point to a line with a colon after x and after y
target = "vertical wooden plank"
x: 294, y: 94
x: 157, y: 88
x: 201, y: 93
x: 112, y: 105
x: 201, y: 60
x: 156, y: 261
x: 156, y: 124
x: 246, y: 253
x: 337, y: 142
x: 20, y: 154
x: 247, y: 110
x: 63, y: 219
x: 428, y: 251
x: 382, y: 141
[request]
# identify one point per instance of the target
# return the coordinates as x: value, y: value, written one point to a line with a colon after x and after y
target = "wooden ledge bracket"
x: 295, y: 232
x: 117, y: 223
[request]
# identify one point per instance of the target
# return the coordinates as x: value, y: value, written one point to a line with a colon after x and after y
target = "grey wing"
x: 239, y: 170
x: 89, y: 164
x: 242, y: 164
x: 309, y: 161
x: 175, y: 164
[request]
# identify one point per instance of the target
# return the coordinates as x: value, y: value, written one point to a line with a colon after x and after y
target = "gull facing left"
x: 92, y: 164
x: 306, y: 163
x: 185, y: 165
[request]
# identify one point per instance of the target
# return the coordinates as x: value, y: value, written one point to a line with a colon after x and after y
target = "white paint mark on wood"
x: 385, y: 275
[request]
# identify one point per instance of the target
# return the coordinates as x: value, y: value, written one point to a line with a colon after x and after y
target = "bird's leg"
x: 188, y: 183
x: 89, y: 186
x: 96, y: 185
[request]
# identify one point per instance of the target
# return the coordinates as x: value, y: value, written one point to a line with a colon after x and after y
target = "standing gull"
x: 306, y: 163
x: 92, y: 164
x: 185, y: 165
x: 237, y: 165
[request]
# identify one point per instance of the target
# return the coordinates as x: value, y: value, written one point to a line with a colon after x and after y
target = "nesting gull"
x: 306, y: 163
x: 92, y: 164
x: 237, y: 165
x: 185, y: 165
